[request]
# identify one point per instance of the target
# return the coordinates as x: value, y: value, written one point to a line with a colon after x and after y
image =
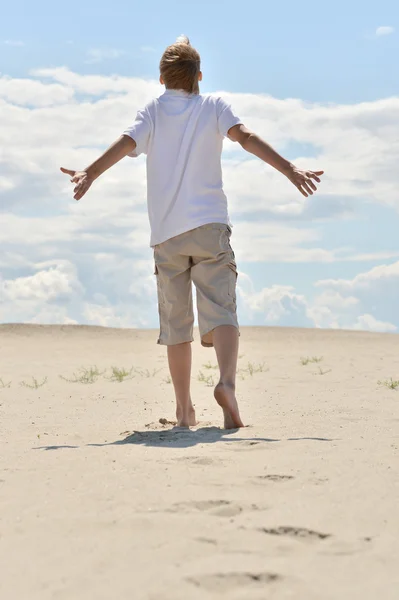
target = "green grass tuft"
x: 146, y: 373
x: 324, y: 372
x: 209, y: 381
x: 84, y: 375
x: 209, y: 365
x: 253, y: 368
x: 392, y: 384
x: 34, y: 385
x: 120, y: 374
x: 305, y: 360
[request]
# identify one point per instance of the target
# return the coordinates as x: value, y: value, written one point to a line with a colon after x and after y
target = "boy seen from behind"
x: 182, y: 133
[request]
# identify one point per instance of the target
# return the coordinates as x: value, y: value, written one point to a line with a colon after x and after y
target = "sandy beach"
x: 100, y: 500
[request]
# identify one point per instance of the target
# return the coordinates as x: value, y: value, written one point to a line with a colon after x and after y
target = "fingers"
x: 307, y: 183
x: 311, y: 184
x: 68, y: 171
x: 79, y: 193
x: 313, y: 175
x: 302, y: 190
x: 307, y: 187
x: 80, y: 190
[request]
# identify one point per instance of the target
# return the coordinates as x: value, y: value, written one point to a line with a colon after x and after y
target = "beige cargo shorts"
x: 202, y: 256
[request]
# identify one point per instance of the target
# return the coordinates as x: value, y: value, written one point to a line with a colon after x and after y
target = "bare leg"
x: 225, y: 340
x: 179, y: 358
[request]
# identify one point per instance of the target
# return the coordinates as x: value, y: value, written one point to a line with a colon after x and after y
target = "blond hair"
x: 180, y: 66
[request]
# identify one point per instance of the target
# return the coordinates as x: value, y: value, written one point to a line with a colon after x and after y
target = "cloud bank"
x: 89, y: 262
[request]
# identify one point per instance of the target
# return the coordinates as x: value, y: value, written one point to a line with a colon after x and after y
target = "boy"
x: 182, y: 134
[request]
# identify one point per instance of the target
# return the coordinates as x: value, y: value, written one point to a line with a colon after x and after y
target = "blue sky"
x: 317, y: 80
x: 325, y: 52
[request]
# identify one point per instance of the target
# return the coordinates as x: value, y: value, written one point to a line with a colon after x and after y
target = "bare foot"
x: 226, y: 398
x: 186, y: 420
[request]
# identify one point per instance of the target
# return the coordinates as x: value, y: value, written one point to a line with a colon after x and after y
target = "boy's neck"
x: 179, y: 90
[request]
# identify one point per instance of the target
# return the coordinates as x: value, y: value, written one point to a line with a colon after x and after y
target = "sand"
x: 98, y: 500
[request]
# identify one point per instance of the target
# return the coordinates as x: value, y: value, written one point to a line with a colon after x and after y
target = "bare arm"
x: 253, y: 144
x: 83, y: 179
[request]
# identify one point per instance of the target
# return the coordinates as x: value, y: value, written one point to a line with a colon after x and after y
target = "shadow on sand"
x: 178, y: 437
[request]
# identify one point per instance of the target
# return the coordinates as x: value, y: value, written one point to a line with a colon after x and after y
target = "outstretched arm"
x: 83, y: 179
x: 253, y: 144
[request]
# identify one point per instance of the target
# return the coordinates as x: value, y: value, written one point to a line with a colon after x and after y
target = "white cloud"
x: 374, y: 279
x: 25, y: 92
x: 269, y: 242
x: 368, y: 301
x: 90, y: 262
x: 96, y: 55
x: 369, y: 323
x: 45, y: 296
x: 52, y: 281
x: 282, y: 305
x: 277, y: 305
x: 384, y: 30
x: 15, y: 43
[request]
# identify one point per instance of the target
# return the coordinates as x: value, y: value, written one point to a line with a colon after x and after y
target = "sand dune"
x: 99, y: 500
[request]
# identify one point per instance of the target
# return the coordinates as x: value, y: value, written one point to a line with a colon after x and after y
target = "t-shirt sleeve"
x: 140, y: 132
x: 226, y: 117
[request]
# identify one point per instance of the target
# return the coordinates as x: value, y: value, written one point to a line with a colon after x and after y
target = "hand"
x: 303, y: 180
x: 82, y: 180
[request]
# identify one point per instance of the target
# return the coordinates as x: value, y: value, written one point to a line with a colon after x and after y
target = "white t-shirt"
x: 182, y: 135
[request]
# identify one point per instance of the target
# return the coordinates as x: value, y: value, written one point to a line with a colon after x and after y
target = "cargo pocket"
x: 233, y: 279
x: 161, y: 298
x: 224, y: 239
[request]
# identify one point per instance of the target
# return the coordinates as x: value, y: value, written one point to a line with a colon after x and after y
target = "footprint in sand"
x: 203, y: 461
x: 209, y: 541
x: 298, y: 532
x: 252, y: 444
x: 217, y: 508
x: 319, y: 480
x: 276, y: 478
x: 196, y: 460
x: 348, y: 547
x: 226, y: 582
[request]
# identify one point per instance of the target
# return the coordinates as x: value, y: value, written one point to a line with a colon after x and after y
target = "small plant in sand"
x: 120, y: 375
x: 324, y: 371
x: 208, y: 380
x: 392, y: 384
x: 84, y: 375
x: 252, y: 368
x: 4, y: 384
x: 146, y: 373
x: 305, y: 360
x: 34, y: 384
x: 209, y: 365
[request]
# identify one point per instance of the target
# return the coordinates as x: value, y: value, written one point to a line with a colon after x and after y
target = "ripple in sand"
x: 296, y: 532
x: 225, y: 582
x: 217, y: 508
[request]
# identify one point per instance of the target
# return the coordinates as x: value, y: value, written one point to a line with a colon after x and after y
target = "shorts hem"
x: 161, y: 342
